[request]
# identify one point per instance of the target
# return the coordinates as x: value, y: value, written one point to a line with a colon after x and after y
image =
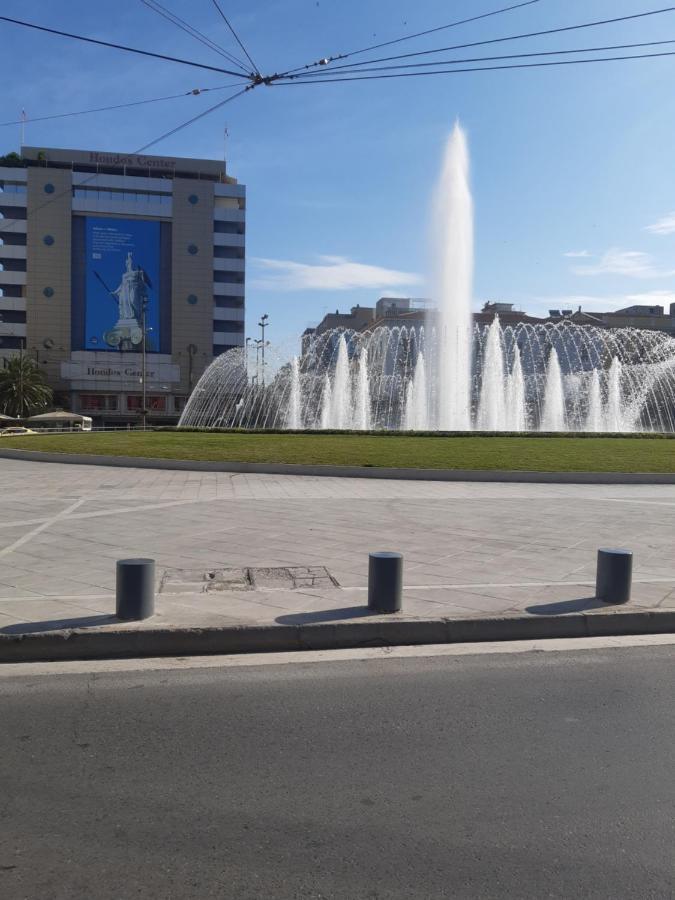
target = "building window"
x: 219, y: 350
x: 228, y: 227
x: 49, y: 188
x: 99, y: 402
x: 193, y: 199
x: 11, y: 343
x: 228, y: 277
x: 48, y: 240
x: 228, y: 252
x: 179, y: 404
x: 229, y: 302
x: 193, y: 249
x: 10, y: 187
x: 193, y: 299
x: 48, y: 292
x: 154, y: 403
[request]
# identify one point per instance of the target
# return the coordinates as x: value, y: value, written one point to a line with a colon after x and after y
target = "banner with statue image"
x: 121, y: 281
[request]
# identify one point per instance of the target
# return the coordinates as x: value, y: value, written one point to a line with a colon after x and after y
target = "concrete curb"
x: 396, y: 474
x: 83, y: 644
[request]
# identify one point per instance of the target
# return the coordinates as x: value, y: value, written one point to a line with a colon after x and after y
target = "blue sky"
x: 572, y: 167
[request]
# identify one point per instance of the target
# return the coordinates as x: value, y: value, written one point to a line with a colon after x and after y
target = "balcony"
x: 229, y: 240
x: 225, y: 265
x: 12, y: 329
x: 228, y: 337
x: 12, y: 278
x: 226, y: 214
x: 229, y: 315
x: 224, y: 289
x: 12, y: 251
x: 230, y: 190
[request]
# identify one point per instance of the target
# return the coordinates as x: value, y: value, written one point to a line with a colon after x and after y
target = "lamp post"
x: 192, y: 350
x: 258, y: 344
x: 263, y: 323
x: 144, y: 366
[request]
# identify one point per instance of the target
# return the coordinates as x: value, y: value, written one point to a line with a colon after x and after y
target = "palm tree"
x: 22, y: 388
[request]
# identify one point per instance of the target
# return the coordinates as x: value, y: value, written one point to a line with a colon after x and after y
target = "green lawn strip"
x: 542, y: 454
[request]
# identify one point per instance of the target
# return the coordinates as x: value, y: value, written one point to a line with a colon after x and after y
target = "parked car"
x: 16, y: 430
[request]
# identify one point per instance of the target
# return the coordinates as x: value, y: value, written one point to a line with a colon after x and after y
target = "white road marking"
x: 557, y: 645
x: 31, y: 534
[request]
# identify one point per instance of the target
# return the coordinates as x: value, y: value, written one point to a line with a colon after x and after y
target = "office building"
x: 105, y: 254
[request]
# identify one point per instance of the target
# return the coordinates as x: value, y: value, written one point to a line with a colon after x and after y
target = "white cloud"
x: 577, y: 254
x: 666, y: 225
x: 630, y: 263
x: 332, y: 273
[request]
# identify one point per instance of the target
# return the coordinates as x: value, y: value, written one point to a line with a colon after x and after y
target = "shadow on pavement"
x: 57, y: 624
x: 566, y: 606
x: 325, y: 615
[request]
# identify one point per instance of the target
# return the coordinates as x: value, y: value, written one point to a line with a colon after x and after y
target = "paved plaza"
x: 245, y: 549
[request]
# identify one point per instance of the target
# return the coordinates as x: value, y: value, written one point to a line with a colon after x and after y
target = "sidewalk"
x: 267, y: 551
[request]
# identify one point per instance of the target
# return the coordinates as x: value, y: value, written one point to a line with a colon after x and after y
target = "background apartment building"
x: 96, y: 245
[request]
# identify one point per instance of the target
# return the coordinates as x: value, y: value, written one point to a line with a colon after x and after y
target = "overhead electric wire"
x: 236, y: 36
x: 410, y: 37
x: 196, y: 118
x: 513, y: 37
x: 449, y: 62
x: 89, y: 40
x: 175, y: 19
x: 7, y: 223
x: 83, y: 112
x: 558, y: 62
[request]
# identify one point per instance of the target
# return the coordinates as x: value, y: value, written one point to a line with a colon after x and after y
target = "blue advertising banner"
x: 122, y: 278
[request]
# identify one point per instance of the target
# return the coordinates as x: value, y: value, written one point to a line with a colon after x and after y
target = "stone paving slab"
x: 470, y: 549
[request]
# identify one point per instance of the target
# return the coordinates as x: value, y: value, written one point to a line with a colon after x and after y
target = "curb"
x: 395, y: 474
x: 77, y: 644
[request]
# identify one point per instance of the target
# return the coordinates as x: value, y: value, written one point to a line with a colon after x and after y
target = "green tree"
x: 22, y: 388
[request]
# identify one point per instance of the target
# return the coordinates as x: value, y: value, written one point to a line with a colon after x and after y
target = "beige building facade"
x: 102, y: 253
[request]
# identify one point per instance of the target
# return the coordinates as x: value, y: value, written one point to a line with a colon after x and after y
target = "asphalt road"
x: 541, y: 775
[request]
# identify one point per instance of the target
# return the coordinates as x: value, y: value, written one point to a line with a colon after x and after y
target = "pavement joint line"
x: 116, y: 511
x: 46, y: 524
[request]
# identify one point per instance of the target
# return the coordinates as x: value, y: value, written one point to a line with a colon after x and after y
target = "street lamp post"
x: 258, y: 345
x: 192, y: 350
x: 144, y: 411
x: 263, y: 323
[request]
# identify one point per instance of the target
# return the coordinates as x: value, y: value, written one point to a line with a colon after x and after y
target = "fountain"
x: 447, y: 374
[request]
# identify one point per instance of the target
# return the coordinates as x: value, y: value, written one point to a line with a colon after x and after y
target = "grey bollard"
x: 612, y: 581
x: 135, y: 588
x: 385, y: 581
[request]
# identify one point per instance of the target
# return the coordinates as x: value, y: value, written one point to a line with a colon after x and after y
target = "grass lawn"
x: 542, y: 454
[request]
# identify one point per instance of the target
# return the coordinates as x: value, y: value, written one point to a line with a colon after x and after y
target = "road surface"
x: 530, y: 775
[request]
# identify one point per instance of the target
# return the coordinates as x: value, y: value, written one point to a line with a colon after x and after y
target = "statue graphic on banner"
x: 132, y: 298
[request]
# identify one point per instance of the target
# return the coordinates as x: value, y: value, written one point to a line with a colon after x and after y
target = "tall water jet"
x: 294, y: 406
x: 417, y: 404
x: 326, y: 404
x: 362, y: 418
x: 594, y: 417
x: 614, y: 419
x: 553, y: 413
x: 491, y: 404
x: 453, y: 237
x: 516, y: 410
x: 341, y: 405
